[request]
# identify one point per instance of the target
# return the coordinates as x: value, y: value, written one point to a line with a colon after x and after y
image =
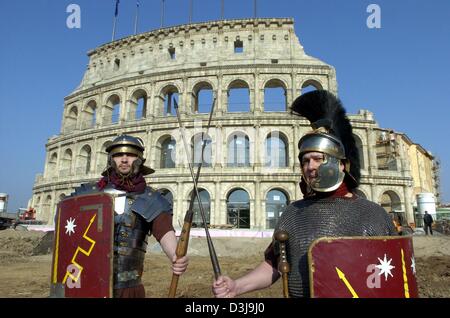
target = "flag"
x: 138, y: 3
x: 117, y: 8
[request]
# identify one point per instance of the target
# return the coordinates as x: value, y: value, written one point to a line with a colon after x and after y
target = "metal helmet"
x: 329, y: 176
x: 332, y: 135
x: 132, y: 145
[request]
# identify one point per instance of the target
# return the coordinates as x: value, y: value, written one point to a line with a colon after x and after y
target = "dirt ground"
x: 25, y: 265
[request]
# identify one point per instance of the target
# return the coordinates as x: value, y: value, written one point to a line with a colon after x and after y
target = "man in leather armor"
x: 139, y: 211
x: 329, y: 163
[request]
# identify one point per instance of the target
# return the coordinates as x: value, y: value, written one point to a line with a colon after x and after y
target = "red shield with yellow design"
x: 83, y: 247
x: 363, y: 267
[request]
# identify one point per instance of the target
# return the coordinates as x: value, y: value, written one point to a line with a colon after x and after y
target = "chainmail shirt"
x: 309, y: 219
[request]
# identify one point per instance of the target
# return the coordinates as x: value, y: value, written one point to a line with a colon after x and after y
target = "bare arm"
x: 261, y: 277
x: 169, y: 245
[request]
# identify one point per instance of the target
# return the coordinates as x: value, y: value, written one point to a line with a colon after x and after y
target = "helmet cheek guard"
x: 329, y: 176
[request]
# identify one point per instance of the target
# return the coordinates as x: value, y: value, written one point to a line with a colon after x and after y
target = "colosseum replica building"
x: 252, y: 69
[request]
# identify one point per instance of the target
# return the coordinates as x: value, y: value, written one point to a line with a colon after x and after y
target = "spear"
x: 183, y: 242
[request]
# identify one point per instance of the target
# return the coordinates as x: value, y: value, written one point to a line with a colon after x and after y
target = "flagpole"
x: 114, y: 29
x: 136, y: 18
x: 116, y: 13
x: 221, y: 9
x: 162, y: 13
x: 190, y: 11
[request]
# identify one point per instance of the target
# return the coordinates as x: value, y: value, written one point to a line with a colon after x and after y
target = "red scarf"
x: 134, y: 183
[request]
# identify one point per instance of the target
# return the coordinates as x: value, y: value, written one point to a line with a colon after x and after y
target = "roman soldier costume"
x: 138, y: 211
x: 326, y: 210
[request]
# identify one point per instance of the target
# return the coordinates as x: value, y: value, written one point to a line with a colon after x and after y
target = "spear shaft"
x: 183, y: 242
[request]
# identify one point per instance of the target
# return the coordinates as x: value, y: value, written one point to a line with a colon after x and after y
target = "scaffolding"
x: 386, y: 150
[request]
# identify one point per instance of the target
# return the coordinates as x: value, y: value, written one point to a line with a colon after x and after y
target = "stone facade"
x: 128, y: 86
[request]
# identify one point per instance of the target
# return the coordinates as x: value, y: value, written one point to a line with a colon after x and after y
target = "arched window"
x: 66, y: 163
x: 276, y: 151
x: 309, y: 86
x: 71, y: 120
x: 275, y: 96
x: 169, y: 95
x: 52, y: 164
x: 61, y: 197
x: 115, y: 114
x: 238, y: 209
x: 111, y: 112
x: 238, y: 97
x: 360, y: 150
x: 138, y: 105
x: 168, y: 152
x: 37, y: 204
x: 390, y: 201
x: 46, y: 207
x: 238, y: 150
x: 84, y: 160
x: 197, y: 221
x: 202, y: 98
x: 196, y: 150
x: 89, y: 115
x: 276, y: 201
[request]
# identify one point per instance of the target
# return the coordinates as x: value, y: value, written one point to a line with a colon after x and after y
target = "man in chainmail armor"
x: 330, y: 168
x: 139, y: 211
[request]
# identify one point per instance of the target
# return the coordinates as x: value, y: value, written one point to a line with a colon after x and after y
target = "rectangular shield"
x: 362, y: 267
x: 83, y: 247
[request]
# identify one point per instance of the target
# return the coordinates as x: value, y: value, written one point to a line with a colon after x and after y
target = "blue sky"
x: 400, y: 72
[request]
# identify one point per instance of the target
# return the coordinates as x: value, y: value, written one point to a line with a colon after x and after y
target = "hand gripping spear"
x: 283, y: 265
x: 185, y: 232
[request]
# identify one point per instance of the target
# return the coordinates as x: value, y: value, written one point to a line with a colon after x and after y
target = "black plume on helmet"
x: 324, y: 110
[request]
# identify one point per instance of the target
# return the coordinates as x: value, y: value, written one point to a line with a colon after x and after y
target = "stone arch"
x: 275, y: 95
x: 66, y: 163
x: 46, y: 207
x: 52, y: 165
x: 138, y: 104
x: 205, y: 197
x: 166, y: 95
x: 390, y: 201
x: 275, y: 82
x: 61, y: 197
x: 276, y: 147
x: 310, y: 85
x: 89, y: 115
x: 166, y: 152
x: 196, y: 150
x: 84, y: 160
x: 238, y: 207
x: 238, y: 149
x: 360, y: 147
x: 71, y: 119
x: 277, y: 199
x: 238, y: 96
x: 202, y: 96
x: 111, y: 110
